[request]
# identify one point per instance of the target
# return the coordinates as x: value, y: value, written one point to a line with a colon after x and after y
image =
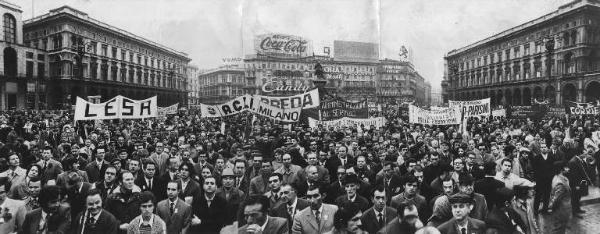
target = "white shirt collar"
x: 466, y: 226
x: 97, y: 216
x: 320, y: 210
x: 294, y: 203
x: 265, y: 224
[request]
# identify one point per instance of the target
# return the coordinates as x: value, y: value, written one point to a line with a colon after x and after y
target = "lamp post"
x: 549, y: 44
x: 81, y: 48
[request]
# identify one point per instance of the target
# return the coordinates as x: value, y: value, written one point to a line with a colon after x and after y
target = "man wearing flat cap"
x: 461, y: 223
x: 351, y: 183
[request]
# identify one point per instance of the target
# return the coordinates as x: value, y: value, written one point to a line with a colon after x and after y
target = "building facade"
x: 24, y: 74
x: 555, y: 57
x: 193, y: 85
x: 398, y: 82
x: 221, y: 85
x: 87, y: 57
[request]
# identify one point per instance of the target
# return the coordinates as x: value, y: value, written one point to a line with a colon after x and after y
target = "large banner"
x: 286, y: 109
x: 377, y: 122
x: 118, y: 107
x: 235, y: 106
x: 338, y: 108
x: 446, y: 116
x: 499, y: 113
x: 536, y: 111
x: 578, y: 108
x: 473, y: 108
x: 169, y: 110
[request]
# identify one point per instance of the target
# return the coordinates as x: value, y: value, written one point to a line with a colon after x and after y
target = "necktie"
x: 380, y: 219
x: 150, y: 184
x: 172, y: 208
x: 290, y: 210
x: 318, y: 216
x: 463, y: 230
x: 91, y: 220
x: 237, y: 182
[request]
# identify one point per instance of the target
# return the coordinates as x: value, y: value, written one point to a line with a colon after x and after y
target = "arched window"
x: 10, y: 28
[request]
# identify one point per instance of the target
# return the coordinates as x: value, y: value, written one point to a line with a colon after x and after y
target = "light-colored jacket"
x: 158, y: 225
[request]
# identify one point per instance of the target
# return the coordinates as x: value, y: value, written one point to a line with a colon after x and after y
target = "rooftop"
x: 576, y: 4
x: 84, y: 16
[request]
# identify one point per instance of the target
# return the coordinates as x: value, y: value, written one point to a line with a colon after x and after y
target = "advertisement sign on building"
x: 281, y: 45
x: 355, y: 51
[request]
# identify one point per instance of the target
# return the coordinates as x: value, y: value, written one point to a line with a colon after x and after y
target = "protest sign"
x: 284, y: 115
x: 578, y: 108
x: 473, y: 108
x: 306, y: 100
x: 348, y: 122
x: 338, y: 108
x: 169, y: 110
x: 118, y: 107
x: 447, y: 116
x: 235, y: 106
x: 499, y: 113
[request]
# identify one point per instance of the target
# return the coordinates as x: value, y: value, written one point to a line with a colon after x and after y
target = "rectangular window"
x: 29, y: 69
x: 104, y: 50
x: 41, y: 70
x: 41, y: 57
x: 29, y: 55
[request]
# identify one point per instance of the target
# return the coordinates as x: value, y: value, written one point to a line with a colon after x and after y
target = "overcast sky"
x: 210, y: 30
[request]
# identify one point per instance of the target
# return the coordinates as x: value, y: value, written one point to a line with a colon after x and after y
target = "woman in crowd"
x: 147, y: 222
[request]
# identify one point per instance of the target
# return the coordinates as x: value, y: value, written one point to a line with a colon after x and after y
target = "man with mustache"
x: 95, y: 220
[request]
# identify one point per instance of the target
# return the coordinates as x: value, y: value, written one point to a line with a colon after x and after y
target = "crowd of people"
x: 247, y: 174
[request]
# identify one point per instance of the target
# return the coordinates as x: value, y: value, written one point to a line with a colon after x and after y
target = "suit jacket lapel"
x: 37, y: 218
x: 312, y: 219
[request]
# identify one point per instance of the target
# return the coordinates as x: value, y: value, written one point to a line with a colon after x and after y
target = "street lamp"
x: 549, y: 44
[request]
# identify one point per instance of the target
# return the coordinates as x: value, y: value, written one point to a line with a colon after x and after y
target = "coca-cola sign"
x: 280, y: 45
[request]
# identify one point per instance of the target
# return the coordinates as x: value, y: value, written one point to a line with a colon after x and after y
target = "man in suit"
x: 311, y: 180
x: 578, y: 176
x: 258, y: 184
x: 175, y: 212
x: 274, y: 188
x: 290, y: 204
x: 377, y: 216
x: 50, y: 167
x: 242, y: 181
x: 288, y: 170
x: 95, y: 220
x: 340, y: 160
x: 542, y: 164
x: 336, y: 188
x: 323, y: 173
x: 351, y: 183
x: 14, y: 173
x: 15, y: 209
x: 318, y: 217
x: 258, y: 221
x: 489, y: 184
x: 109, y: 183
x: 149, y: 182
x: 95, y: 170
x: 208, y: 209
x: 390, y: 181
x: 77, y: 191
x: 172, y: 168
x: 51, y: 217
x: 34, y: 185
x: 461, y: 223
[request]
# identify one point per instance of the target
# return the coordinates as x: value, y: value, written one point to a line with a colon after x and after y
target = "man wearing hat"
x: 351, y: 183
x: 461, y: 223
x: 466, y: 186
x: 230, y: 193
